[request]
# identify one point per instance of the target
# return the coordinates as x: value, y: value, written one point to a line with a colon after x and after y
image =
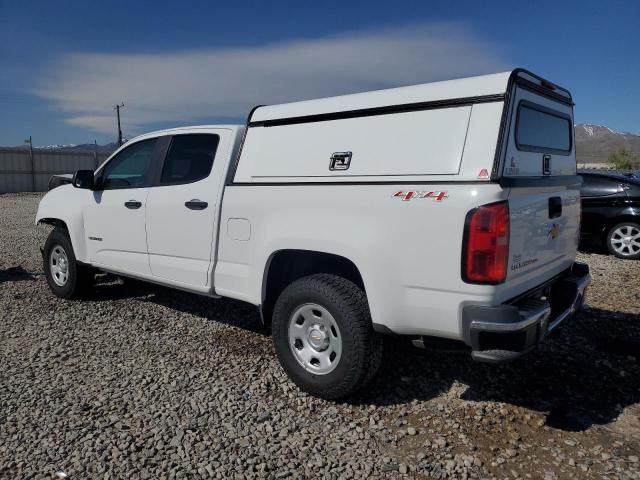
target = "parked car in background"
x: 60, y: 179
x: 633, y: 174
x: 611, y: 213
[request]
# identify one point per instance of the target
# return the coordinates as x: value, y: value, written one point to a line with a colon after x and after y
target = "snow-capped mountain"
x: 72, y: 147
x: 591, y: 130
x: 57, y: 147
x: 594, y: 143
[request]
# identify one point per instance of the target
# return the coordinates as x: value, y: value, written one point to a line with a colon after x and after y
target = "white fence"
x: 18, y: 173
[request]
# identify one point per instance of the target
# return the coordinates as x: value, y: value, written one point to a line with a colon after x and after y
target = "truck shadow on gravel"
x: 15, y: 274
x: 222, y: 310
x: 583, y: 375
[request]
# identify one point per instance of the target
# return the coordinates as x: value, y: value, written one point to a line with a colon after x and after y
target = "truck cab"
x: 151, y: 210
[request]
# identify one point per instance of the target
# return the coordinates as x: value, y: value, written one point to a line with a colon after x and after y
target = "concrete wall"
x: 16, y: 174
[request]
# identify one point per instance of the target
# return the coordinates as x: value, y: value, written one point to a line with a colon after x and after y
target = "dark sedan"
x: 611, y: 213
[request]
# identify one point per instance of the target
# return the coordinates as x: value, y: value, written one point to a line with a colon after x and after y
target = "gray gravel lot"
x: 143, y: 382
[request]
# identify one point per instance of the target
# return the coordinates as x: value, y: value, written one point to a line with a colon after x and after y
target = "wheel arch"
x: 63, y: 206
x: 54, y: 222
x: 287, y: 265
x: 76, y: 235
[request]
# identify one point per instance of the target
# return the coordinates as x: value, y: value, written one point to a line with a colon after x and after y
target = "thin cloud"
x: 190, y: 86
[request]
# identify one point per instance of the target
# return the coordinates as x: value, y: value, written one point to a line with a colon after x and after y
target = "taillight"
x: 486, y: 244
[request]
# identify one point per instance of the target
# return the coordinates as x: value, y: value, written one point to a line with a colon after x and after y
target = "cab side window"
x: 189, y: 159
x: 130, y: 168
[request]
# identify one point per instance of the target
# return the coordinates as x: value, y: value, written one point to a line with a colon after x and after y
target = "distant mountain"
x: 56, y: 147
x: 90, y: 147
x: 71, y: 147
x: 594, y: 143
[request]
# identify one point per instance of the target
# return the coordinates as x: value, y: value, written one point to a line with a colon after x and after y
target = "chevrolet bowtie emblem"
x: 555, y: 231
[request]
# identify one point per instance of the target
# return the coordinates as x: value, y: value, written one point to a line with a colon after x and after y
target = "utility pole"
x: 33, y: 168
x: 117, y: 109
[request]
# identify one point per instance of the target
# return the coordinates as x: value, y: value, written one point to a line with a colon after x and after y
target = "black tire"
x: 612, y: 237
x: 79, y: 277
x: 361, y: 346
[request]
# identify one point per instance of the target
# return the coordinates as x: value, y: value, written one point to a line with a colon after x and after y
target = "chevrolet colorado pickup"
x: 448, y: 209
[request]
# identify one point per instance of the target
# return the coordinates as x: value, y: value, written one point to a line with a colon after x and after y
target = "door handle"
x: 133, y: 204
x: 196, y: 204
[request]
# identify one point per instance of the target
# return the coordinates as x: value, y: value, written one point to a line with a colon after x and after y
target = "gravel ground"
x: 143, y: 382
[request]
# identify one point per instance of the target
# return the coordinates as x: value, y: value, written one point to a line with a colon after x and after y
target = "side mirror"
x: 83, y: 179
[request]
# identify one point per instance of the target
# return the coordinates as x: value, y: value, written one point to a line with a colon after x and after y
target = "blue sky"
x: 65, y: 64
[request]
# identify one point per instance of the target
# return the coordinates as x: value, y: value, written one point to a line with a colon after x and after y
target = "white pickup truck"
x: 448, y: 209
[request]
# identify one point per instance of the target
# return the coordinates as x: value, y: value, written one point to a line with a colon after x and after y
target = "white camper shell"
x: 448, y: 209
x: 439, y: 131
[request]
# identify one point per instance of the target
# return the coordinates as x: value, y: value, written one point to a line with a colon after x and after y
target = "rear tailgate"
x: 542, y: 243
x: 539, y: 167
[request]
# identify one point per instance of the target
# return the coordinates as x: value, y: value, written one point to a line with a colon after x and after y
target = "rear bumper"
x: 507, y: 331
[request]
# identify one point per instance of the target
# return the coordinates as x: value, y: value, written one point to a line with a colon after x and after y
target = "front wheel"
x: 323, y: 336
x: 623, y: 240
x: 66, y: 278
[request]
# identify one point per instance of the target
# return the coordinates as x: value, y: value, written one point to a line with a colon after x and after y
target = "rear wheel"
x: 623, y: 240
x: 65, y: 276
x: 323, y: 336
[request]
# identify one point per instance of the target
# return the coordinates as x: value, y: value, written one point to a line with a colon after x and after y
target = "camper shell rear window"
x: 541, y: 129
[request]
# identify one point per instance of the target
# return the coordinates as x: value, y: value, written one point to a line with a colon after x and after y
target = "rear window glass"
x: 189, y: 159
x: 543, y: 130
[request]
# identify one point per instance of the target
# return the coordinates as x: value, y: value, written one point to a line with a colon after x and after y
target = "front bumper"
x: 507, y: 331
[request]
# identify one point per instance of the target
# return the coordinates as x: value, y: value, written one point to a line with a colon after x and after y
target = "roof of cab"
x: 237, y: 129
x: 463, y: 89
x: 185, y: 130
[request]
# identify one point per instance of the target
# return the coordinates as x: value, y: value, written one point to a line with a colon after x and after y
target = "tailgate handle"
x: 555, y: 207
x: 546, y: 165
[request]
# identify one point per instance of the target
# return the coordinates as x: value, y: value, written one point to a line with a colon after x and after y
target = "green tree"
x: 624, y: 160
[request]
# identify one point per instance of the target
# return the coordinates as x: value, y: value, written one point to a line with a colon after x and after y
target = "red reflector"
x: 486, y: 244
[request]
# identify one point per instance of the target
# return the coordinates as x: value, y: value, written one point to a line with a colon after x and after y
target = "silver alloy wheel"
x: 625, y: 240
x: 315, y: 339
x: 59, y: 265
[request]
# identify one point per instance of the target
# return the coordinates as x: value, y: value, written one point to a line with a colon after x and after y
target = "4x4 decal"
x: 412, y: 194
